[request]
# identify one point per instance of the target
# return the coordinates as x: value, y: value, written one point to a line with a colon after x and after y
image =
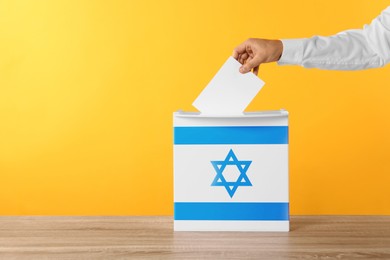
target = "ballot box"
x: 231, y: 172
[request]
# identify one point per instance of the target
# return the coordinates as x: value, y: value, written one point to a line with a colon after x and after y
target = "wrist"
x: 277, y: 50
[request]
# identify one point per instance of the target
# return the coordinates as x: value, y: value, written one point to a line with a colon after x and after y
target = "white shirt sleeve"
x: 349, y: 50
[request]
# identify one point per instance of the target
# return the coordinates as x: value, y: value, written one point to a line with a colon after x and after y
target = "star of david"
x: 231, y: 186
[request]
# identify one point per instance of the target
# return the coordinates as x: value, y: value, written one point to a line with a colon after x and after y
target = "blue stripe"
x: 198, y: 135
x: 231, y: 211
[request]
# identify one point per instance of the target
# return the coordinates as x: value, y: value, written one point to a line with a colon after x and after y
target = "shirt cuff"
x: 292, y: 52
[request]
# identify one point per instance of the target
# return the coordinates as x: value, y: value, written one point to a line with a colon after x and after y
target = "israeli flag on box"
x: 231, y: 173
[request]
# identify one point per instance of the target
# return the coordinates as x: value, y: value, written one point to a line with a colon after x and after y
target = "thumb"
x: 250, y: 64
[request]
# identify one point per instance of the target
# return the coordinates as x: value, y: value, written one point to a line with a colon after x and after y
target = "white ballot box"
x: 231, y: 172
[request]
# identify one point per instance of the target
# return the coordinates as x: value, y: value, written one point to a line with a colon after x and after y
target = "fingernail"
x: 242, y: 70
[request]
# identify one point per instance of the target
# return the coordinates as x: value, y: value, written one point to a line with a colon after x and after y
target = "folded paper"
x: 229, y: 92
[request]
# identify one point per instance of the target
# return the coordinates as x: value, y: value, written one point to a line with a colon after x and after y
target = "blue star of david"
x: 231, y: 186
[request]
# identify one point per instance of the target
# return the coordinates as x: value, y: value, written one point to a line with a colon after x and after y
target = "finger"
x: 243, y: 57
x: 248, y: 60
x: 240, y: 49
x: 250, y: 64
x: 256, y: 70
x: 235, y: 54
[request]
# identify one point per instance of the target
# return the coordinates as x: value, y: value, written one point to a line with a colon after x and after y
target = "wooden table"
x: 311, y: 237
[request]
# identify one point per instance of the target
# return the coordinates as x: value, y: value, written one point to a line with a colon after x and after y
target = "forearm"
x: 348, y: 50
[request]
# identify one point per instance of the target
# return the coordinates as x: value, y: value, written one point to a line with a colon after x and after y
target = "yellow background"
x: 87, y: 91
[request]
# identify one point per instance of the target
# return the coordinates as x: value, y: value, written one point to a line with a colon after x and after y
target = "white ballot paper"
x: 229, y: 92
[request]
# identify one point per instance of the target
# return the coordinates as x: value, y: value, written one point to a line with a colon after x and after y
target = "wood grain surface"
x: 311, y: 237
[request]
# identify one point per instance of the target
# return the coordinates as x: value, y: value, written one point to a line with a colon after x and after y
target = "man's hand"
x: 253, y: 52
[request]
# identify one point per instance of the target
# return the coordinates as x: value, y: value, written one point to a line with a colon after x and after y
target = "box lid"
x: 269, y: 113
